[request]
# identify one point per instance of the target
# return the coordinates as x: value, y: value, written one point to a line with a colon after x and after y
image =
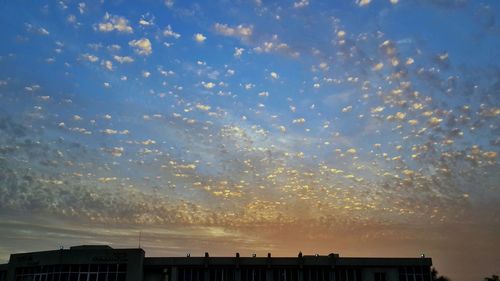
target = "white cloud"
x: 107, y: 64
x: 82, y: 7
x: 71, y: 19
x: 124, y: 59
x: 208, y: 85
x: 362, y: 3
x: 142, y: 46
x: 170, y: 33
x: 43, y: 31
x: 117, y: 151
x: 249, y: 86
x: 147, y: 20
x: 241, y: 31
x: 169, y: 3
x: 39, y: 30
x: 114, y: 48
x: 90, y: 57
x: 114, y: 23
x: 274, y: 45
x: 301, y: 4
x: 238, y: 52
x: 200, y: 38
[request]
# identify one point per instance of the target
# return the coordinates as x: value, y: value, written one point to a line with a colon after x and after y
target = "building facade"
x: 103, y: 263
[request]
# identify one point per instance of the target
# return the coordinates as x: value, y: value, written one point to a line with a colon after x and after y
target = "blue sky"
x: 363, y: 127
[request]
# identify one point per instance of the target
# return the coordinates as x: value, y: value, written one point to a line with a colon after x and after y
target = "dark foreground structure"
x: 103, y: 263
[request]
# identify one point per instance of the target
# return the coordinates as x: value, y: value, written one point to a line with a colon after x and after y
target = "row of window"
x: 117, y: 272
x: 72, y: 277
x: 259, y: 274
x: 68, y: 268
x: 414, y: 273
x: 73, y: 272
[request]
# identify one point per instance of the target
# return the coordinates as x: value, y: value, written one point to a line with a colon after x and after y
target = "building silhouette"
x: 103, y: 263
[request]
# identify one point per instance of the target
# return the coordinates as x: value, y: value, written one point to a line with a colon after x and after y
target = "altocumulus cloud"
x: 142, y: 46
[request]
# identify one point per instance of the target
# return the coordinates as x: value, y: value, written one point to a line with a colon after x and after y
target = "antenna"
x: 140, y: 236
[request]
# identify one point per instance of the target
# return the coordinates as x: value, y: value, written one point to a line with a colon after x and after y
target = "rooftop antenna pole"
x: 140, y: 236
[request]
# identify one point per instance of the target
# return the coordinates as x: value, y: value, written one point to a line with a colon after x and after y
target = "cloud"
x: 362, y: 3
x: 207, y: 85
x: 169, y: 3
x: 117, y: 151
x: 200, y: 38
x: 108, y: 131
x: 240, y: 31
x: 238, y: 52
x: 82, y: 7
x: 301, y: 4
x: 37, y: 30
x: 107, y: 64
x: 90, y: 58
x: 114, y: 23
x: 168, y: 32
x: 275, y: 45
x: 147, y: 20
x: 142, y: 46
x: 124, y: 59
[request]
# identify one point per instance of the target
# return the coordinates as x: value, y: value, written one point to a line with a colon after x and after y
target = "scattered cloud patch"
x: 169, y: 3
x: 123, y: 59
x: 200, y: 38
x: 142, y: 46
x: 37, y: 30
x: 240, y: 31
x: 362, y: 3
x: 147, y: 20
x: 169, y: 32
x: 238, y: 52
x: 301, y: 4
x: 90, y: 57
x: 107, y: 64
x: 114, y: 23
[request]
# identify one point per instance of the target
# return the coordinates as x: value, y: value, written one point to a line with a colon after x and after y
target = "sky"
x: 360, y: 127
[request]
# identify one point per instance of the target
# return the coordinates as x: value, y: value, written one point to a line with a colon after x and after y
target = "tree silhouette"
x: 435, y: 277
x: 492, y: 278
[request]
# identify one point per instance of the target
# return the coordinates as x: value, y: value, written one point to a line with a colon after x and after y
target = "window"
x: 254, y: 274
x: 73, y: 272
x: 380, y: 276
x: 348, y: 274
x: 222, y: 274
x: 316, y: 274
x: 414, y: 273
x: 190, y: 274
